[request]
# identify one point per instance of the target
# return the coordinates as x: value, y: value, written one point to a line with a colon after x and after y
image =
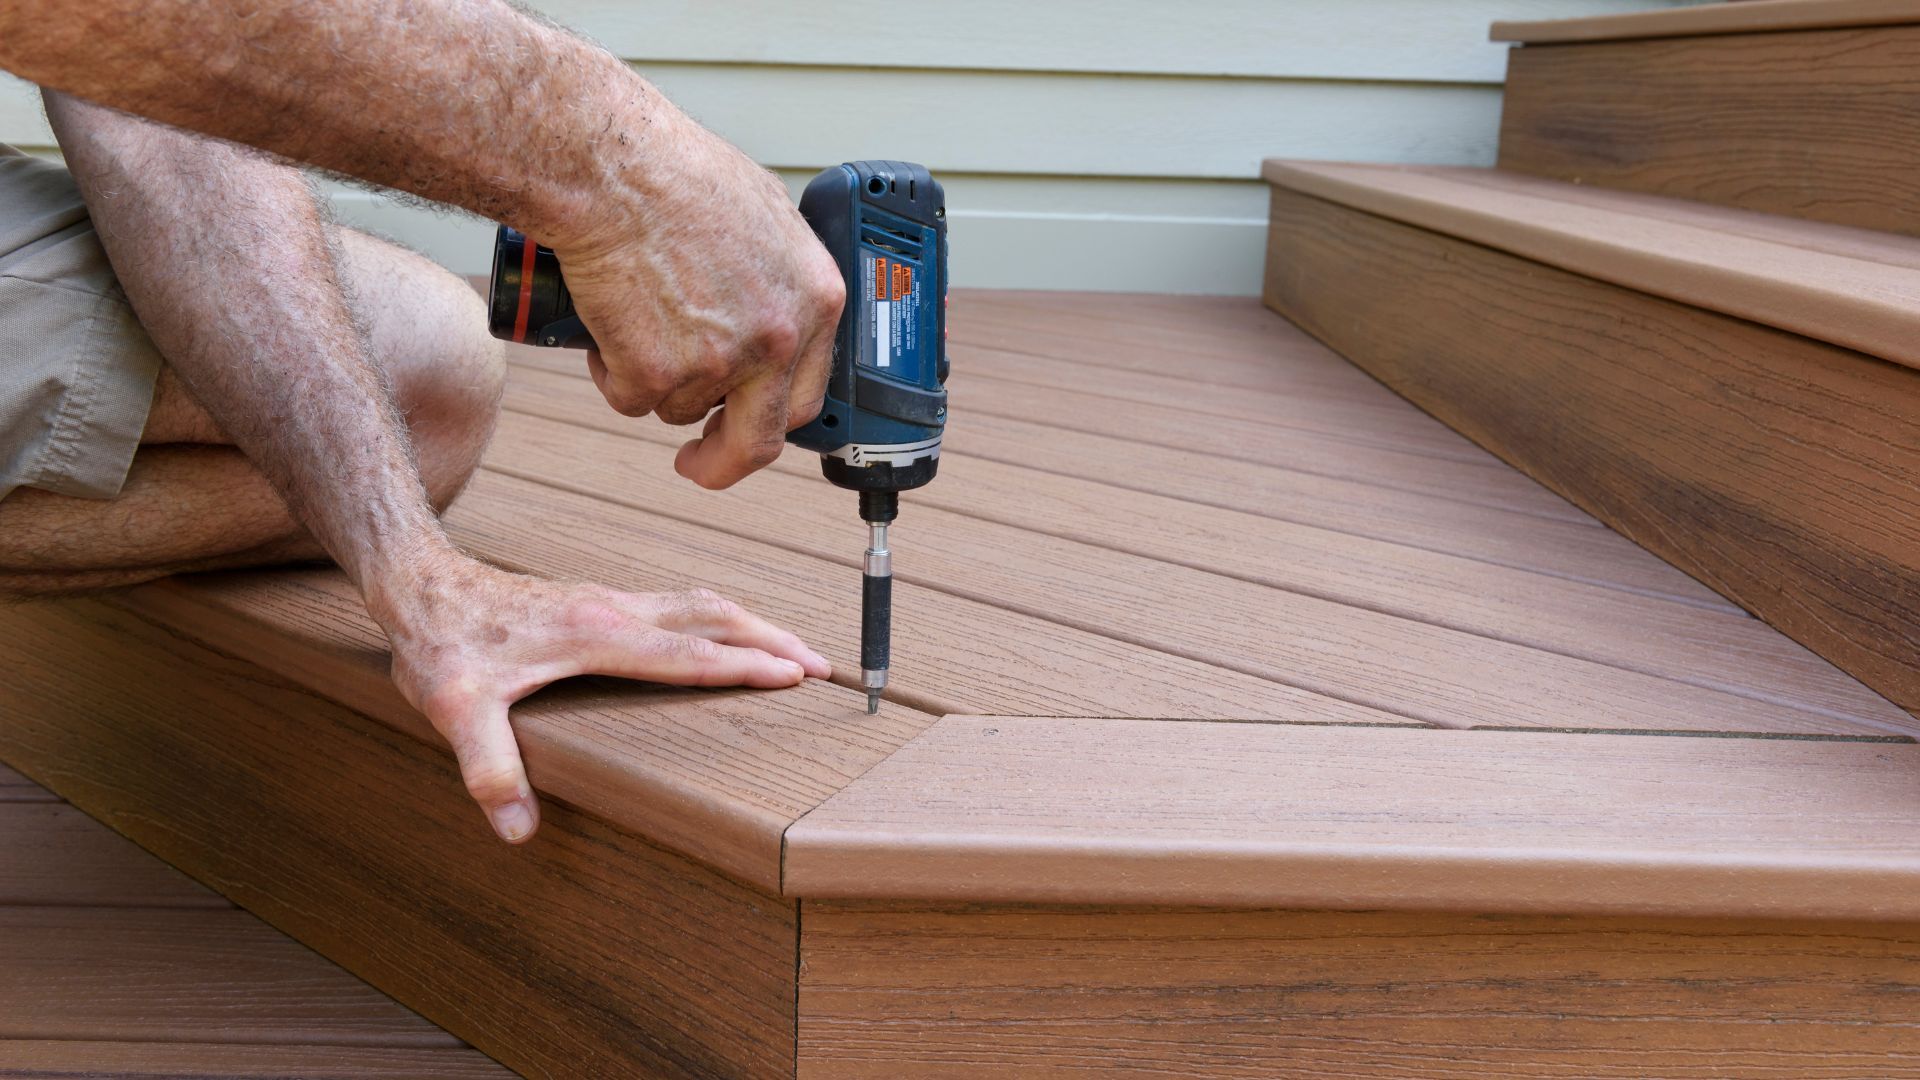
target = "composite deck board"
x: 149, y: 974
x: 947, y: 649
x: 1702, y: 647
x: 1813, y: 124
x: 62, y: 877
x: 589, y: 952
x: 1846, y: 286
x: 717, y: 774
x: 1564, y: 549
x: 74, y: 1060
x: 1413, y: 670
x: 1251, y: 816
x: 1375, y: 419
x: 52, y: 854
x: 1155, y: 428
x: 1755, y: 17
x: 1780, y: 469
x: 953, y: 993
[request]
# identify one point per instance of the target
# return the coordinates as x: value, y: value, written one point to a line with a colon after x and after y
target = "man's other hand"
x: 704, y: 286
x: 470, y: 639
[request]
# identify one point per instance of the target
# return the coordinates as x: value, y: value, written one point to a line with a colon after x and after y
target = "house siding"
x: 1084, y: 145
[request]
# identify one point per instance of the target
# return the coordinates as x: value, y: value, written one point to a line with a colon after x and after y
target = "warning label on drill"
x: 893, y: 290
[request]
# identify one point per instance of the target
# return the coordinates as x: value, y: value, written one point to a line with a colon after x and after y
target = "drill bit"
x: 876, y: 595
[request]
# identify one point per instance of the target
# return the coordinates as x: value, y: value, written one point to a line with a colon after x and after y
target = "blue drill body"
x: 879, y: 430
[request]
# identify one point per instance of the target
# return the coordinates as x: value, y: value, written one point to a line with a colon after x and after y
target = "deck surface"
x: 1172, y: 538
x: 114, y: 964
x: 1259, y: 529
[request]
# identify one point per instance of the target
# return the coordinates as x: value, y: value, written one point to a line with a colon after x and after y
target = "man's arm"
x: 689, y: 264
x: 262, y: 336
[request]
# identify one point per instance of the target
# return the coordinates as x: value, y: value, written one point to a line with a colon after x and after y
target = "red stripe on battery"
x: 526, y: 289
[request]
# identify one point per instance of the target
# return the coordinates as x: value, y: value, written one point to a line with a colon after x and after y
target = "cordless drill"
x: 885, y: 222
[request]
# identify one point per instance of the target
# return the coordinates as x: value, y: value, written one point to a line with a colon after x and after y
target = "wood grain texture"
x: 74, y: 1060
x: 1816, y: 124
x: 587, y: 952
x: 1407, y: 669
x: 1089, y: 994
x: 1160, y: 427
x: 717, y: 774
x: 1368, y: 414
x: 1755, y: 17
x: 214, y: 976
x: 1780, y: 470
x: 1722, y: 649
x: 1143, y: 812
x: 950, y: 651
x: 1563, y: 549
x: 1843, y: 286
x: 52, y: 854
x: 15, y: 788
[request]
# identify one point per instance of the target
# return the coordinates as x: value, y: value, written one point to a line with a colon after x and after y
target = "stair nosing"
x: 1857, y: 302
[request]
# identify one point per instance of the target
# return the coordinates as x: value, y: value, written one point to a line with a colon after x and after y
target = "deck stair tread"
x: 1746, y: 17
x: 1853, y: 287
x: 983, y: 809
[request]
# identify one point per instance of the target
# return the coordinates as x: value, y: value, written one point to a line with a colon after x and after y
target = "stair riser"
x: 1821, y: 124
x: 1782, y: 472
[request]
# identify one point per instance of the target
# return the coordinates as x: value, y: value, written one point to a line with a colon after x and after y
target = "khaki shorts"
x: 76, y: 369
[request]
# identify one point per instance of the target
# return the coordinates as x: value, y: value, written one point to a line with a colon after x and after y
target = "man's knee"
x: 429, y: 330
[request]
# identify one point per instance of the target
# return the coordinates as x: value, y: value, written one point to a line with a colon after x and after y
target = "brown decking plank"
x: 1244, y: 454
x: 61, y: 1060
x: 1757, y: 17
x: 1248, y: 815
x: 1718, y: 648
x: 947, y: 650
x: 1219, y: 346
x: 717, y: 774
x: 1844, y: 286
x: 1378, y: 418
x: 53, y: 854
x: 1021, y: 993
x: 1563, y: 549
x: 587, y: 952
x: 1413, y: 670
x: 181, y: 975
x: 1155, y: 428
x: 1810, y: 124
x: 1781, y: 470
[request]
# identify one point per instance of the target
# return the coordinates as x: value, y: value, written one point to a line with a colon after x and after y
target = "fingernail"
x: 819, y: 661
x: 513, y: 821
x: 795, y: 671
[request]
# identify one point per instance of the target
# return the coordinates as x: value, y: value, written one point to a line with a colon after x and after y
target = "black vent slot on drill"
x: 891, y: 240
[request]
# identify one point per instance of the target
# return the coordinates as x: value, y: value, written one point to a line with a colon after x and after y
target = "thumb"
x: 482, y: 740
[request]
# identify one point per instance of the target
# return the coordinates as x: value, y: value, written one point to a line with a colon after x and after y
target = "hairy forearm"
x: 227, y: 261
x: 467, y: 102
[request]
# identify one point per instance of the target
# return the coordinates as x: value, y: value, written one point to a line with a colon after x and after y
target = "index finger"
x: 745, y: 435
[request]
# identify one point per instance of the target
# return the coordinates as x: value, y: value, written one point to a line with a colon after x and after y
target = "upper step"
x: 1851, y: 287
x: 1799, y: 107
x: 1757, y: 16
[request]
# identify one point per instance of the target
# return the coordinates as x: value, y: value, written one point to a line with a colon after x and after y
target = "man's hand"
x: 470, y: 639
x: 703, y: 284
